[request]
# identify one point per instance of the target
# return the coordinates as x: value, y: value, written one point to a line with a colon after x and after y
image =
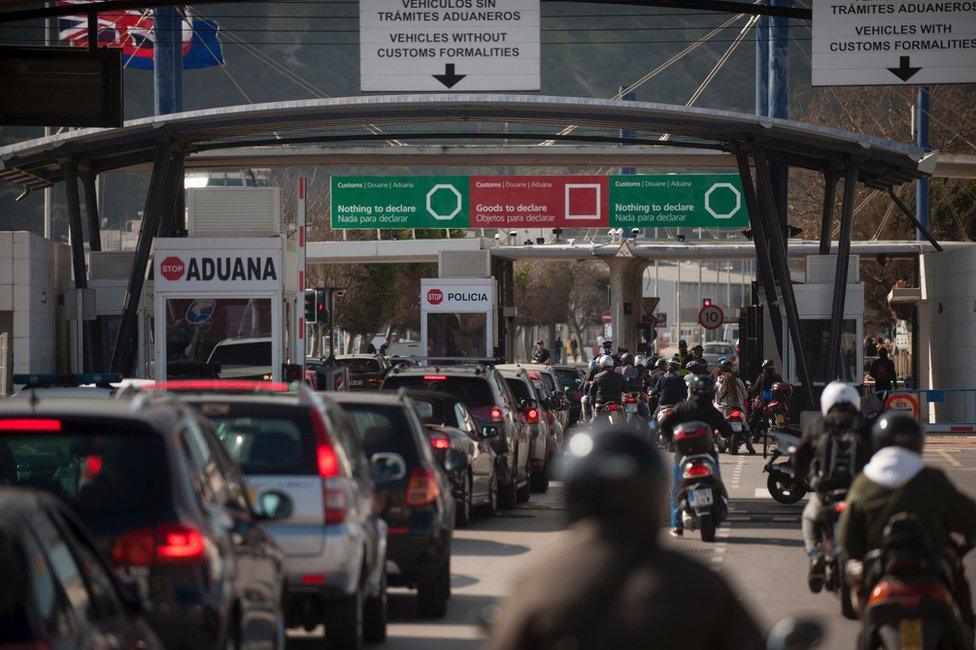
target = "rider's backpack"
x: 835, y: 464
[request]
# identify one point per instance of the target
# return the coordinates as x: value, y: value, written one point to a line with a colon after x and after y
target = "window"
x: 351, y: 447
x: 106, y: 599
x: 475, y: 392
x: 64, y: 567
x: 383, y: 428
x: 46, y: 598
x: 815, y: 333
x: 457, y: 335
x: 519, y: 387
x: 360, y: 366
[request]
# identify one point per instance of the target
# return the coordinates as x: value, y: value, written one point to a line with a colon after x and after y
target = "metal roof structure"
x: 36, y: 164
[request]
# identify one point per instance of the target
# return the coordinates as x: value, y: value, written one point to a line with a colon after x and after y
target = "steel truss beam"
x: 840, y: 275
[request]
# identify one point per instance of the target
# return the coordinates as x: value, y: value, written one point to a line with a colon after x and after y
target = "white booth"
x: 458, y: 317
x: 229, y: 302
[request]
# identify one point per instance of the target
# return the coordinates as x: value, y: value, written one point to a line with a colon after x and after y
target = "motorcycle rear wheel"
x: 706, y: 524
x: 783, y: 492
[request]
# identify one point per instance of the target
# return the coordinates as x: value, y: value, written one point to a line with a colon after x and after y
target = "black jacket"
x: 607, y: 386
x: 695, y: 410
x: 764, y: 382
x: 815, y: 430
x: 670, y: 389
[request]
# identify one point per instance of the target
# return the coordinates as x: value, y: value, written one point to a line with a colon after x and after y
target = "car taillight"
x: 334, y: 502
x: 696, y: 469
x: 532, y: 416
x: 422, y: 489
x: 328, y: 464
x: 440, y: 442
x: 497, y: 414
x: 613, y: 406
x: 168, y: 544
x: 373, y: 381
x: 435, y: 377
x: 30, y: 424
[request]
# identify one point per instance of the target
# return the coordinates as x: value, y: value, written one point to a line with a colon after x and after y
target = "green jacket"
x: 929, y: 495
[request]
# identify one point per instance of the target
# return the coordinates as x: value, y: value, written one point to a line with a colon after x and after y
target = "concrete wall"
x: 33, y: 273
x: 948, y: 335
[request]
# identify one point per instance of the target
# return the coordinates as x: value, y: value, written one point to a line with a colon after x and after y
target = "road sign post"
x: 711, y: 317
x: 449, y: 46
x: 893, y: 42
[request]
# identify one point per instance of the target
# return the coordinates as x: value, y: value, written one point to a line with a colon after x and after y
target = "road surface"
x: 759, y: 550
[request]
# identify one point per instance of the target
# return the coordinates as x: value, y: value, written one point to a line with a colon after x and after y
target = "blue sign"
x: 200, y: 311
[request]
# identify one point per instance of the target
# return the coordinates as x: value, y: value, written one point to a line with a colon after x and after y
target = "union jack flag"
x: 133, y: 32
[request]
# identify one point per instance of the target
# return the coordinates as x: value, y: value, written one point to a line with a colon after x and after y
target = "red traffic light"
x: 706, y: 302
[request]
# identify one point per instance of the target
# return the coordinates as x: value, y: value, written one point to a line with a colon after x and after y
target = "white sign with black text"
x: 893, y: 42
x: 457, y: 295
x: 229, y: 270
x: 449, y: 45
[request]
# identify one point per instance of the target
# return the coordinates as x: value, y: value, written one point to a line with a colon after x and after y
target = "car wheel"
x: 523, y: 493
x: 344, y: 621
x: 463, y: 510
x: 540, y: 481
x: 232, y: 634
x: 375, y: 616
x: 432, y: 596
x: 280, y: 640
x: 509, y: 495
x: 491, y: 508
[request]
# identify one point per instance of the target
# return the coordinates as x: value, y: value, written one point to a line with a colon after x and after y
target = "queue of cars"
x: 204, y: 513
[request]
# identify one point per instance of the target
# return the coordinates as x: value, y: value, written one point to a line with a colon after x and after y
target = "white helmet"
x: 605, y: 361
x: 640, y: 360
x: 839, y: 392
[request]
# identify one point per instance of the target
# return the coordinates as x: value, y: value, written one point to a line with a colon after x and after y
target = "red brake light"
x: 613, y: 406
x: 30, y: 424
x: 497, y: 414
x: 435, y: 377
x: 313, y: 579
x: 334, y: 503
x: 167, y: 544
x: 440, y: 442
x: 736, y: 413
x: 532, y: 416
x: 219, y: 385
x: 840, y: 507
x: 422, y: 488
x: 697, y: 469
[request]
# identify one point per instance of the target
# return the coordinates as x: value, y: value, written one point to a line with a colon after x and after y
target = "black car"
x: 152, y: 483
x: 571, y: 382
x: 496, y: 411
x: 450, y: 426
x: 58, y: 591
x: 366, y: 371
x: 413, y: 493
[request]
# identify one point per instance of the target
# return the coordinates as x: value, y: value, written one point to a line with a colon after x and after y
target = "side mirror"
x: 275, y: 505
x: 489, y: 432
x: 386, y: 467
x: 455, y: 460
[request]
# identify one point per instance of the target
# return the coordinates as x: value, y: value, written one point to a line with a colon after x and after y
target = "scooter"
x: 701, y: 496
x: 783, y: 484
x: 632, y: 405
x: 911, y: 602
x: 611, y: 411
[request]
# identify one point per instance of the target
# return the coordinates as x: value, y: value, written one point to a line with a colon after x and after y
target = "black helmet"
x: 614, y: 475
x: 897, y: 429
x: 700, y: 386
x: 682, y: 343
x: 661, y: 364
x: 768, y: 363
x: 627, y: 359
x: 727, y: 366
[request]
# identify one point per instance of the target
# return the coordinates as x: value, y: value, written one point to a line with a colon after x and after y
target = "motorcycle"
x: 609, y: 410
x: 783, y: 484
x: 659, y: 436
x: 830, y: 552
x: 911, y: 602
x: 632, y: 406
x: 701, y: 495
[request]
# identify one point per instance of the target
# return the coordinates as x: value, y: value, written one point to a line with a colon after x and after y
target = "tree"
x: 587, y: 297
x: 369, y: 301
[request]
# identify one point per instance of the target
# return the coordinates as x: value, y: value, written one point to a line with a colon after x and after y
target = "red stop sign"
x: 172, y: 268
x: 435, y: 296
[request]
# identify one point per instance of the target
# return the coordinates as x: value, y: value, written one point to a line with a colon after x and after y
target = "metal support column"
x: 83, y: 334
x: 174, y: 188
x: 508, y: 299
x: 779, y: 100
x: 759, y: 237
x: 159, y: 201
x: 827, y: 216
x: 91, y: 212
x: 911, y: 217
x: 922, y: 140
x: 781, y: 267
x: 762, y: 66
x: 168, y: 61
x: 840, y: 275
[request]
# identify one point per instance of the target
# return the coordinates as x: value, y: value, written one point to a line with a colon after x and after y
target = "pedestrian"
x: 870, y: 347
x: 574, y: 346
x: 612, y: 584
x: 541, y: 354
x: 882, y: 370
x: 557, y: 350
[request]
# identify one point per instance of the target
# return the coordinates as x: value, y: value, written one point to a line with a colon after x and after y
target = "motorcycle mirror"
x: 795, y: 634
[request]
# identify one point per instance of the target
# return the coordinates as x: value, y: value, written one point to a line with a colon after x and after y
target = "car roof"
x: 513, y: 373
x: 286, y: 399
x: 541, y: 367
x: 466, y: 369
x: 389, y: 398
x: 74, y: 392
x: 21, y: 501
x: 431, y: 395
x: 158, y: 413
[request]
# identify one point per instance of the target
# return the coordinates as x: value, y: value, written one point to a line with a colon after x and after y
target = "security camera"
x: 635, y: 231
x: 570, y: 241
x: 512, y: 233
x: 340, y: 293
x: 681, y: 238
x: 557, y: 231
x: 497, y: 236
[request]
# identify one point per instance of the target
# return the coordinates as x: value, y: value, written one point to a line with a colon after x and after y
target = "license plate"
x: 630, y: 408
x: 911, y: 634
x: 781, y: 420
x: 700, y: 498
x: 737, y: 426
x: 356, y: 382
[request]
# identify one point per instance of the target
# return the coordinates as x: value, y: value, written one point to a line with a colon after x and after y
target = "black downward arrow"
x: 904, y: 71
x: 449, y: 79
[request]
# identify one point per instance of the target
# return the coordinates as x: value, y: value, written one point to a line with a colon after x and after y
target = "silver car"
x: 334, y: 541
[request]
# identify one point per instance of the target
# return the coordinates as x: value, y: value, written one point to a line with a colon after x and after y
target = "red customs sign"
x: 539, y: 201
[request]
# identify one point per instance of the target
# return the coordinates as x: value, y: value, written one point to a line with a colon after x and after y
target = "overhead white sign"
x: 893, y: 42
x: 232, y: 270
x: 449, y: 45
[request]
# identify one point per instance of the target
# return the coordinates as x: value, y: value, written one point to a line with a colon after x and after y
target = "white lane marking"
x: 737, y: 472
x: 762, y: 493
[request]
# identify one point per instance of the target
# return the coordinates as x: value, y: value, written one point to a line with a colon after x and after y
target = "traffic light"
x: 706, y: 302
x: 321, y: 305
x: 311, y: 316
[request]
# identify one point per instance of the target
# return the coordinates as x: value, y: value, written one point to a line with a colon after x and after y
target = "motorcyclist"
x: 718, y: 371
x: 762, y: 391
x: 611, y: 584
x: 670, y: 388
x: 585, y: 405
x: 895, y: 481
x: 627, y: 370
x: 840, y: 405
x: 696, y: 367
x: 607, y: 386
x: 697, y: 408
x: 660, y: 367
x: 683, y: 355
x: 640, y: 364
x: 542, y: 353
x: 730, y: 392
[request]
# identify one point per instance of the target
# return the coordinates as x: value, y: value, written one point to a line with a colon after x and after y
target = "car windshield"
x: 359, y: 366
x: 718, y: 348
x: 265, y: 439
x: 567, y: 379
x: 96, y: 470
x: 383, y: 428
x: 442, y: 412
x: 475, y: 392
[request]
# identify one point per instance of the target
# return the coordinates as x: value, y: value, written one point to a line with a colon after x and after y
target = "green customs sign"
x: 668, y: 200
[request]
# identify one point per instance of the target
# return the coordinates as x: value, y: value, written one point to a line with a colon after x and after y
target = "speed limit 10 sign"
x: 711, y: 317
